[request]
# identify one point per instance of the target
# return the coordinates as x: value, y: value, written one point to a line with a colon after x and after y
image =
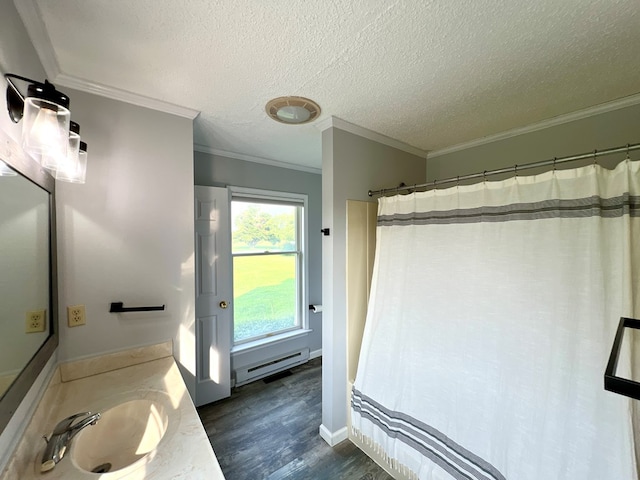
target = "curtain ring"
x: 484, y: 176
x: 515, y: 169
x: 628, y: 158
x: 554, y: 163
x: 595, y: 158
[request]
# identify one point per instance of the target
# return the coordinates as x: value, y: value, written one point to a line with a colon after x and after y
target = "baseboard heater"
x: 254, y: 372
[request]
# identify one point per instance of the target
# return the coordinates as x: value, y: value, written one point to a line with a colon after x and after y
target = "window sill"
x: 256, y: 344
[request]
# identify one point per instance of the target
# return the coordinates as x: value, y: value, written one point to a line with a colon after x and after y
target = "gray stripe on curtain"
x: 459, y: 462
x: 594, y: 206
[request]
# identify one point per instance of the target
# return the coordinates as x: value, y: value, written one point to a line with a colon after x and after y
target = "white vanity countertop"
x: 183, y: 453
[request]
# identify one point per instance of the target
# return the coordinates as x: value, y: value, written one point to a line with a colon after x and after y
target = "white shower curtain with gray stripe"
x: 492, y: 313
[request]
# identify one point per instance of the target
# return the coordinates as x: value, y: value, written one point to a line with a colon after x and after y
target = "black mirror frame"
x: 613, y: 383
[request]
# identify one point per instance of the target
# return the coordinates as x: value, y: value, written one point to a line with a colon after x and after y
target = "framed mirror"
x: 28, y: 287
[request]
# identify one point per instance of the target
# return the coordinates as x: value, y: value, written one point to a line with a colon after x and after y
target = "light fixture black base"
x: 15, y: 105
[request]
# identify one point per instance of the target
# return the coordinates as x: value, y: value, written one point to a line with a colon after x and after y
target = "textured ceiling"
x: 431, y: 74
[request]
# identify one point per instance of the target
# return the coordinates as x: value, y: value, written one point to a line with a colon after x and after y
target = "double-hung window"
x: 267, y: 246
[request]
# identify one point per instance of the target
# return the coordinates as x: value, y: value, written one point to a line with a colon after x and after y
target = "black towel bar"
x: 117, y: 307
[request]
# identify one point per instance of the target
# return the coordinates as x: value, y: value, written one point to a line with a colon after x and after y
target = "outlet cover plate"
x: 36, y: 321
x: 76, y: 315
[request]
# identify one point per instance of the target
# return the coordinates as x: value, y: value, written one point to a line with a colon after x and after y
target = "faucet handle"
x: 65, y: 425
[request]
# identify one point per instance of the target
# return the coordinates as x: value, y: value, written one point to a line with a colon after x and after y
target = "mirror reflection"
x: 24, y: 272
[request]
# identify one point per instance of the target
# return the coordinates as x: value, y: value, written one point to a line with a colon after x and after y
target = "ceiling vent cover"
x: 293, y: 110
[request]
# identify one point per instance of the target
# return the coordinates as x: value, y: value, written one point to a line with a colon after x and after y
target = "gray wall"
x: 606, y: 130
x: 351, y: 166
x: 127, y: 234
x: 217, y: 171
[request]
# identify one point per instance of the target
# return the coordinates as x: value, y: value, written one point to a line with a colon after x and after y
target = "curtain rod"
x: 516, y: 168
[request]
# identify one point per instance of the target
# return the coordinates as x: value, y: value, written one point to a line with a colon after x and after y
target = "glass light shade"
x: 45, y: 131
x: 55, y: 160
x: 293, y: 114
x: 74, y: 169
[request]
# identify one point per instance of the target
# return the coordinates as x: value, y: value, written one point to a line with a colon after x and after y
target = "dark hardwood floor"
x: 270, y: 431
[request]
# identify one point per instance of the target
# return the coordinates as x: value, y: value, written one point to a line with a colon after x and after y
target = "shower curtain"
x: 492, y: 313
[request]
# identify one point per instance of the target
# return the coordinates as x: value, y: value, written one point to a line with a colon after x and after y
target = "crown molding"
x: 125, y: 96
x: 250, y: 158
x: 32, y: 18
x: 335, y: 122
x: 623, y: 102
x: 324, y: 124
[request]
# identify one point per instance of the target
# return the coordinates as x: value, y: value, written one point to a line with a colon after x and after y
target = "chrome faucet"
x: 62, y: 435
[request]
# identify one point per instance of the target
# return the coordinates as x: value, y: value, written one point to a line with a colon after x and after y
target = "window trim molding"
x: 265, y: 341
x: 302, y: 199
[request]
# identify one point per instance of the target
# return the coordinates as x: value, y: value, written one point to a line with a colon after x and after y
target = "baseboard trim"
x: 334, y: 438
x: 315, y: 354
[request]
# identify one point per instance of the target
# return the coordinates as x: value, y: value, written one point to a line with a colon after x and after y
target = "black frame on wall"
x: 613, y: 383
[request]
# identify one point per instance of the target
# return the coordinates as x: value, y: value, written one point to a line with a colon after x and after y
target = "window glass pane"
x: 262, y: 227
x: 264, y: 292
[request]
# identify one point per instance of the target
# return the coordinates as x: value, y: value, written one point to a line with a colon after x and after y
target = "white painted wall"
x: 127, y: 234
x: 351, y: 166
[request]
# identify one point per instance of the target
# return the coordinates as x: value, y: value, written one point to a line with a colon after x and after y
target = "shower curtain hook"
x: 458, y: 181
x: 554, y: 163
x: 595, y: 157
x: 515, y: 169
x: 628, y: 158
x: 484, y: 176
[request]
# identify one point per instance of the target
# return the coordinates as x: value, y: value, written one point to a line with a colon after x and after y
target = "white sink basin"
x: 125, y: 434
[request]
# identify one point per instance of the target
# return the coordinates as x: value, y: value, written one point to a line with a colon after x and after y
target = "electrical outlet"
x: 36, y: 321
x: 76, y: 315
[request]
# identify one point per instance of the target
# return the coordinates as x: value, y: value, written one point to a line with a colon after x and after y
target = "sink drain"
x: 103, y: 468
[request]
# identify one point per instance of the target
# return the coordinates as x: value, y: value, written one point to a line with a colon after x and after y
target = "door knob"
x: 223, y: 304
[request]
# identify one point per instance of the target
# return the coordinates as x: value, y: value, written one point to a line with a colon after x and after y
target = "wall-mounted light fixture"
x: 48, y: 134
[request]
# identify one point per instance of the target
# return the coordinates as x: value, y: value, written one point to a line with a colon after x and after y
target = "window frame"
x: 302, y: 271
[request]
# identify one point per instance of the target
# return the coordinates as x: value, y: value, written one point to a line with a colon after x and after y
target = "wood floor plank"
x: 270, y: 431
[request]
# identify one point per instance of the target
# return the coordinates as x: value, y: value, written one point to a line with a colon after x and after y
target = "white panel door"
x: 213, y: 294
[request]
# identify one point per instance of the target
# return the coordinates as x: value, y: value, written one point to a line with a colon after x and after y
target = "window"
x: 268, y: 264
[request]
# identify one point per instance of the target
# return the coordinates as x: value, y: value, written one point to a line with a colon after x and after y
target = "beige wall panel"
x: 361, y: 235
